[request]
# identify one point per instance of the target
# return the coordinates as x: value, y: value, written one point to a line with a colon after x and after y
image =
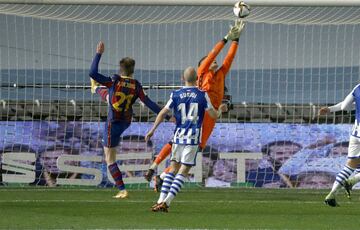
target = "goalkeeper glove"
x: 235, y: 31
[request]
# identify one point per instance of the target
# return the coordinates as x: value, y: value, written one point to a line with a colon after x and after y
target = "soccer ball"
x: 241, y: 9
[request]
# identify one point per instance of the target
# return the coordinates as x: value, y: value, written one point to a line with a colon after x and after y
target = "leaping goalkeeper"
x: 211, y: 79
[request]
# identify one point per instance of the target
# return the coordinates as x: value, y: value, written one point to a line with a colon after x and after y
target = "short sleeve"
x: 170, y: 104
x: 352, y: 92
x: 208, y: 102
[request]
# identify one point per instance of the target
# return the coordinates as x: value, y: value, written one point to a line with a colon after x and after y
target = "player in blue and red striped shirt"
x: 122, y: 92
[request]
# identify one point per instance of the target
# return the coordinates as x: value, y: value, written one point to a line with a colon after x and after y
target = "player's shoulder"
x: 200, y: 92
x: 192, y: 89
x: 175, y: 93
x: 115, y: 77
x: 136, y: 82
x: 356, y: 88
x: 178, y: 91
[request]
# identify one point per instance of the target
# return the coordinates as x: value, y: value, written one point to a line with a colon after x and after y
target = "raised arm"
x: 229, y: 58
x: 205, y: 64
x: 94, y: 69
x: 234, y: 35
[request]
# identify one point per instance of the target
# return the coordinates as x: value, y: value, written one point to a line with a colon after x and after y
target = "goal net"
x: 290, y: 62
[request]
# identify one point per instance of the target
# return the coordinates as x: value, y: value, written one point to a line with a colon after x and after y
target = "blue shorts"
x: 112, y: 133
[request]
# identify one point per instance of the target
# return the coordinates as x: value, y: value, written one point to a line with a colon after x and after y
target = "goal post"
x: 293, y: 57
x: 191, y: 2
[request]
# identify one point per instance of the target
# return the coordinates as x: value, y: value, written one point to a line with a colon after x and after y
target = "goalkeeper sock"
x: 162, y: 175
x: 117, y: 176
x: 167, y: 169
x: 175, y: 188
x: 103, y: 93
x: 168, y: 180
x: 165, y: 151
x: 341, y: 177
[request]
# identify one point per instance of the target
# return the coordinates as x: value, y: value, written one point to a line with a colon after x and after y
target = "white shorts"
x: 354, y: 147
x: 184, y: 154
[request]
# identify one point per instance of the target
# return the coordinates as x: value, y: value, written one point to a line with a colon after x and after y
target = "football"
x: 241, y: 9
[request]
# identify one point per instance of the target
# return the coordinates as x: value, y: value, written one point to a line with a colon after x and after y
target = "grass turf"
x: 243, y: 208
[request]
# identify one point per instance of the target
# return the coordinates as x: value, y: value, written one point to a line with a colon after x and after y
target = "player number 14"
x: 192, y: 114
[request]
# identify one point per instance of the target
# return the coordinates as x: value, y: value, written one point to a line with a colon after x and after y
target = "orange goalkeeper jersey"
x: 213, y: 82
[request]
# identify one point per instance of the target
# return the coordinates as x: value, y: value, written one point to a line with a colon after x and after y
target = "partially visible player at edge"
x: 353, y: 161
x: 121, y: 92
x: 211, y: 79
x: 189, y: 105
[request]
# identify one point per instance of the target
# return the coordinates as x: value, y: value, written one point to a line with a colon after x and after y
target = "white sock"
x: 175, y: 188
x: 356, y: 178
x: 341, y: 177
x: 169, y: 178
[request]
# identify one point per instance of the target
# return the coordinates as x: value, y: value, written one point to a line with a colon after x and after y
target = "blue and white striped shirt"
x: 189, y: 105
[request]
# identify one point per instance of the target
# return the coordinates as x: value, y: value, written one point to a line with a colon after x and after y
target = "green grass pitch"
x: 241, y: 208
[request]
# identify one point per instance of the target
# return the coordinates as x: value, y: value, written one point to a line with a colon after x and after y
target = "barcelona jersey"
x: 123, y: 92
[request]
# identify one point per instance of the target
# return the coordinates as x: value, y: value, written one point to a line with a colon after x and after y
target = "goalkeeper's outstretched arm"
x: 205, y: 64
x: 234, y: 35
x: 229, y: 58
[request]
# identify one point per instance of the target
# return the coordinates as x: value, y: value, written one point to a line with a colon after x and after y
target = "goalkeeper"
x: 211, y: 79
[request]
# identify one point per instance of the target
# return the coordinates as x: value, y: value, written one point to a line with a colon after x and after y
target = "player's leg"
x: 349, y: 183
x: 168, y: 180
x: 207, y: 128
x: 170, y: 176
x: 165, y: 188
x: 176, y: 185
x: 341, y: 178
x: 163, y: 154
x: 110, y: 156
x: 111, y: 139
x: 188, y: 159
x: 353, y: 153
x: 102, y: 91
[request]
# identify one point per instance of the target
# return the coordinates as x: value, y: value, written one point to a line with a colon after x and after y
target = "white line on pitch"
x: 150, y: 201
x: 242, y: 190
